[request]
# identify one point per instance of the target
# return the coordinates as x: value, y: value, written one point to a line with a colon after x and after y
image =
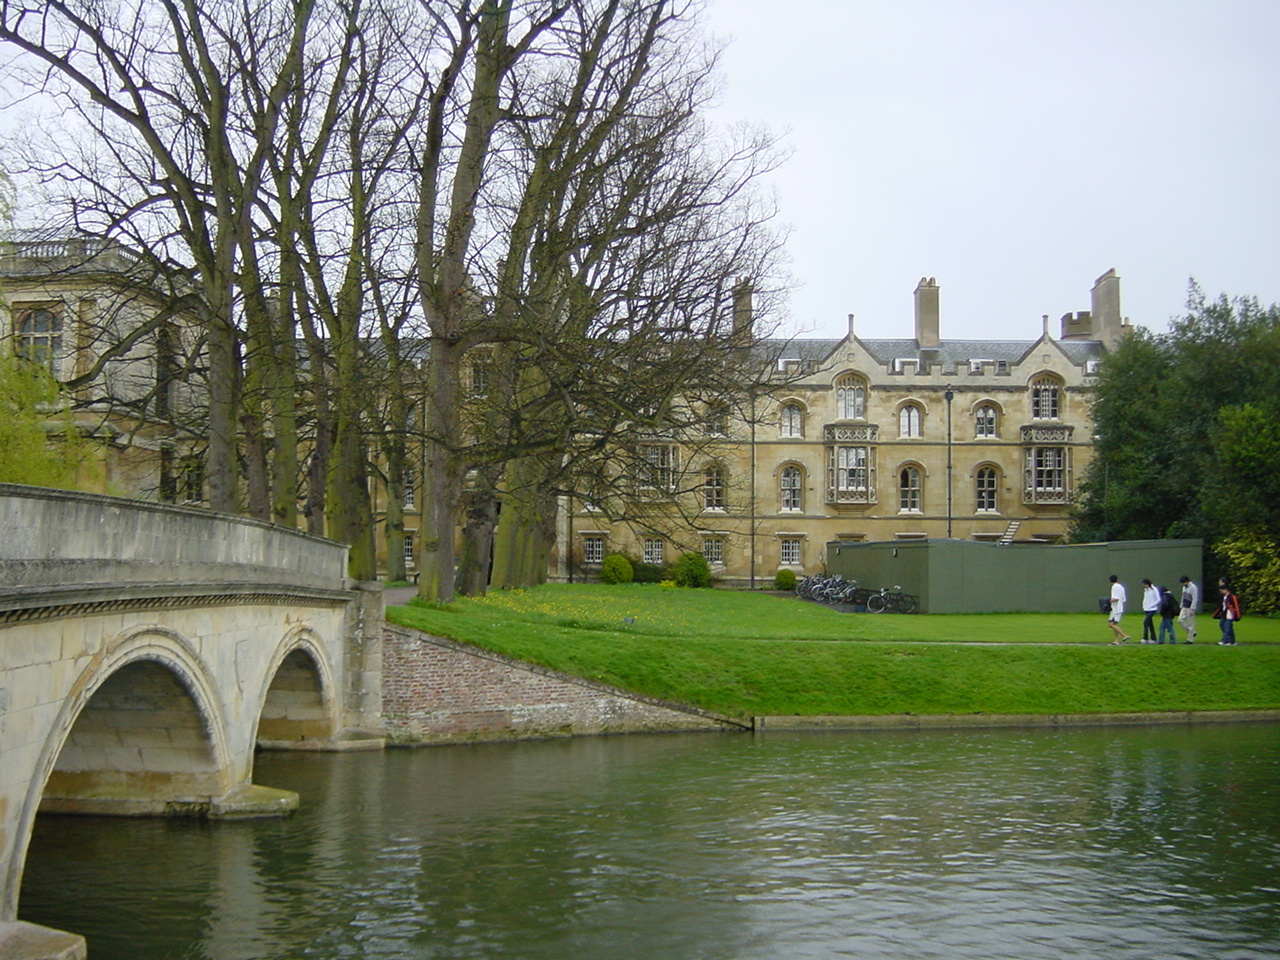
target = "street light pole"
x: 949, y: 396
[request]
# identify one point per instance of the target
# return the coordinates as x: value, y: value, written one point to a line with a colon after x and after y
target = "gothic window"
x: 713, y: 488
x: 986, y: 484
x: 984, y: 419
x: 1045, y: 398
x: 851, y: 398
x: 909, y: 490
x: 791, y: 482
x: 910, y: 421
x: 792, y: 420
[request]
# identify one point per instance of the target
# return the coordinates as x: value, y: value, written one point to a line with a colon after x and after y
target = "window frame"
x: 986, y: 422
x: 846, y: 465
x: 910, y: 421
x: 791, y: 495
x: 591, y: 544
x: 1046, y: 398
x: 986, y: 489
x: 790, y: 545
x: 653, y: 551
x: 791, y: 421
x: 39, y: 346
x: 851, y: 397
x: 910, y: 488
x: 714, y: 483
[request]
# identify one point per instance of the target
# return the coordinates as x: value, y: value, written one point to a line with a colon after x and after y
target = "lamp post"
x: 949, y: 396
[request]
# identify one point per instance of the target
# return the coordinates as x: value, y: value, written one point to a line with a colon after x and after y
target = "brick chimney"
x: 927, y: 312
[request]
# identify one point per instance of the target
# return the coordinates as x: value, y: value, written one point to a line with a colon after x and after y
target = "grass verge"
x: 746, y: 654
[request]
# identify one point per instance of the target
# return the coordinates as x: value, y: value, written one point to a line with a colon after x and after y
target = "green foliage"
x: 39, y: 442
x: 742, y: 653
x: 784, y: 580
x: 616, y: 569
x: 647, y: 572
x: 1187, y: 425
x: 691, y: 570
x: 1252, y: 562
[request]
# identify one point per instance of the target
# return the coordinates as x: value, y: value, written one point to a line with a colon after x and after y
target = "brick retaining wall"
x: 440, y: 691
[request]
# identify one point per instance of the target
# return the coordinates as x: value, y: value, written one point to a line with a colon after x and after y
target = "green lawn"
x: 747, y: 654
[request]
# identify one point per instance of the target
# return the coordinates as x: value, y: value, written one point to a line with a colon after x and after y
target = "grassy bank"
x: 753, y: 654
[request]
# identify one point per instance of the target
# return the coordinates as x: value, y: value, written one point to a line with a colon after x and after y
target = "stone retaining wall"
x: 440, y: 691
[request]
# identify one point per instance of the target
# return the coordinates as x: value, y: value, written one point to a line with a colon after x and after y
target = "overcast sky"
x: 1015, y: 150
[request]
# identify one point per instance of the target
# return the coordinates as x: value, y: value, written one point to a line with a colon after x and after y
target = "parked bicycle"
x: 893, y: 600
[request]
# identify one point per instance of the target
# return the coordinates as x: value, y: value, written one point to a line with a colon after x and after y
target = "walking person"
x: 1116, y: 610
x: 1190, y: 604
x: 1168, y: 610
x: 1150, y: 607
x: 1227, y: 614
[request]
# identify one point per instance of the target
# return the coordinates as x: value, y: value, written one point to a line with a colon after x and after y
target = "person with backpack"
x: 1227, y: 614
x: 1168, y: 610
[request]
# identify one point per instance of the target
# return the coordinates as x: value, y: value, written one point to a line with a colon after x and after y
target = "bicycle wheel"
x: 908, y: 603
x: 876, y: 603
x: 861, y: 596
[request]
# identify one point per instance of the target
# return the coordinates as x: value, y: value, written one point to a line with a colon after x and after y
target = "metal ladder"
x: 1007, y: 537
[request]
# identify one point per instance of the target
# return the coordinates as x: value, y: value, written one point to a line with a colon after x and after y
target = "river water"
x: 1127, y: 842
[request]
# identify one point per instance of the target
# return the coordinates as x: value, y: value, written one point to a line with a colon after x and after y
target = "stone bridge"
x: 146, y: 650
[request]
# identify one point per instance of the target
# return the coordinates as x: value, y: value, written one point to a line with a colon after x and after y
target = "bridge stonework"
x: 146, y: 650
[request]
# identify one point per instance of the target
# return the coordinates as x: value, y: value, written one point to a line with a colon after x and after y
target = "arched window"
x: 791, y: 484
x: 1045, y: 398
x: 792, y: 424
x: 910, y: 421
x: 986, y: 487
x: 909, y: 490
x: 984, y: 422
x: 851, y: 398
x: 713, y: 488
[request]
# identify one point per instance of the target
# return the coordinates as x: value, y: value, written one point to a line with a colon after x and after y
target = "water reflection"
x: 1124, y: 843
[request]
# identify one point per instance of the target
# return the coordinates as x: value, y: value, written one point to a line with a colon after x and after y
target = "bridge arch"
x: 298, y: 700
x: 140, y: 732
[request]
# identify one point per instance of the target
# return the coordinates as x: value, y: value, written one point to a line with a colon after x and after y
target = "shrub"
x: 691, y: 570
x: 784, y: 580
x: 616, y: 569
x: 647, y: 572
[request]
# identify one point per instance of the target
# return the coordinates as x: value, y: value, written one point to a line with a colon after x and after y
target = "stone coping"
x: 972, y: 721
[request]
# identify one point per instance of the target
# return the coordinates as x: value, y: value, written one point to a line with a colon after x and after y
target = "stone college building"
x: 867, y: 439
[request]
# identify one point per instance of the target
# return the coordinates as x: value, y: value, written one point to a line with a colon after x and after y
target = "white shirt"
x: 1150, y: 599
x: 1118, y: 597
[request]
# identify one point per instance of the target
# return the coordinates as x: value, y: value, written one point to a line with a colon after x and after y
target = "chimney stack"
x: 743, y: 319
x: 851, y: 334
x: 927, y: 312
x: 1108, y: 325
